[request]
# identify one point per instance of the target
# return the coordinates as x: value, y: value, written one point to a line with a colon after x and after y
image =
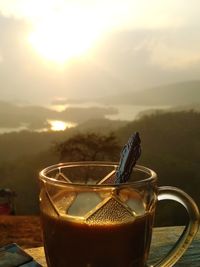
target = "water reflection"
x: 57, y: 125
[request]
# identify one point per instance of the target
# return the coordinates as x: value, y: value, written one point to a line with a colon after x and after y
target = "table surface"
x: 26, y: 232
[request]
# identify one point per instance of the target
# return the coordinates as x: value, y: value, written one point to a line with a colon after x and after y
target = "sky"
x: 62, y: 49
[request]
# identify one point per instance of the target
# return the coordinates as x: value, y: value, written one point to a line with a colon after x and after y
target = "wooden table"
x: 26, y: 232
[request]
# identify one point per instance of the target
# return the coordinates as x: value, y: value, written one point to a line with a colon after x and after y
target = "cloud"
x: 25, y: 76
x: 135, y: 14
x: 176, y: 50
x: 144, y: 58
x: 1, y: 58
x: 173, y: 58
x: 123, y: 60
x: 156, y: 14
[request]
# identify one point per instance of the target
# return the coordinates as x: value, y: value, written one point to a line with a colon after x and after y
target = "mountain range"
x: 182, y: 93
x: 177, y: 96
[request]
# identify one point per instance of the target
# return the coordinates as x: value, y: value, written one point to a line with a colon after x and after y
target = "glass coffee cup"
x: 89, y: 221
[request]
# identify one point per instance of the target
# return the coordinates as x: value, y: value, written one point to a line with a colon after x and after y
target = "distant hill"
x: 101, y: 125
x: 182, y: 93
x: 191, y: 107
x: 36, y: 117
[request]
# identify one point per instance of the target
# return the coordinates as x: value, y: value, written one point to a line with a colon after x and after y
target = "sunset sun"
x: 62, y: 30
x: 60, y: 38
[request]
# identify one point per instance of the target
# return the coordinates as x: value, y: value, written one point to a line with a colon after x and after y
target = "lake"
x: 123, y: 112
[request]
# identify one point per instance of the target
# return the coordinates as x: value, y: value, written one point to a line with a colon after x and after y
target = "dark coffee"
x: 78, y: 244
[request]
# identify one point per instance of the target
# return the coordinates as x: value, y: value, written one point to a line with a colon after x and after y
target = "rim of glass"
x: 152, y: 176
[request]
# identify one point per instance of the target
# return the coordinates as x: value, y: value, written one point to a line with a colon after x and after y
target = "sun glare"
x: 62, y: 30
x: 59, y: 38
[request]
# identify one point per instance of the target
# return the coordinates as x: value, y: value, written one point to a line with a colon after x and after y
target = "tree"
x: 89, y: 146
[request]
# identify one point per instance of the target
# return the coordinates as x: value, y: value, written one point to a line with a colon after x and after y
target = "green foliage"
x: 89, y: 146
x: 25, y: 143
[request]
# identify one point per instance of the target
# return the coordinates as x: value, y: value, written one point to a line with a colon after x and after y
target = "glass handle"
x: 190, y: 230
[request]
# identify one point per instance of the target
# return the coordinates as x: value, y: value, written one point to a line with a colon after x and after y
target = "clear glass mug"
x: 88, y: 221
